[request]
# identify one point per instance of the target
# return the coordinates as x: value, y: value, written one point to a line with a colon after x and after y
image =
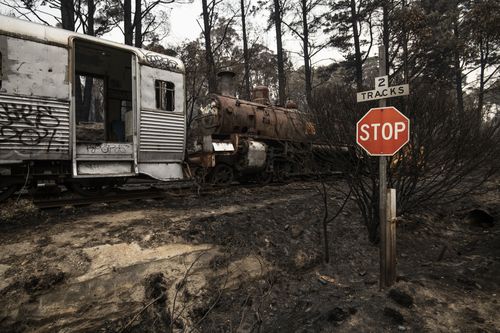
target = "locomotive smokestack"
x: 226, y: 83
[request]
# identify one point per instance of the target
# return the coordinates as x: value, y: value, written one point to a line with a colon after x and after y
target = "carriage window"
x: 90, y: 95
x: 165, y: 93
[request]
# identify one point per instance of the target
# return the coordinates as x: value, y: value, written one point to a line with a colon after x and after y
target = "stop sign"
x: 383, y: 131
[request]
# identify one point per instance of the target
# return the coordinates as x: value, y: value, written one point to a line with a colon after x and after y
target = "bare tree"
x: 140, y: 22
x: 208, y: 22
x: 351, y: 27
x: 307, y: 20
x: 327, y: 218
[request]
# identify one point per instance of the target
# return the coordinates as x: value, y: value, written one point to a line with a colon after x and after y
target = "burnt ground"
x: 245, y: 260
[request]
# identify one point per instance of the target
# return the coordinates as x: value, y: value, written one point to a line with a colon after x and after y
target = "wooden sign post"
x: 382, y: 132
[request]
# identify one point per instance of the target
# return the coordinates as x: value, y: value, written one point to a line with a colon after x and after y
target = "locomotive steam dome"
x: 260, y: 95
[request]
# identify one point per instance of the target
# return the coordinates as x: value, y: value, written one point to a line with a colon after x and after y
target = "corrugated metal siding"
x: 161, y: 131
x: 34, y: 127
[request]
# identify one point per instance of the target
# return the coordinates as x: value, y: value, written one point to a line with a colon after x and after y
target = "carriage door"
x: 162, y: 123
x: 103, y: 111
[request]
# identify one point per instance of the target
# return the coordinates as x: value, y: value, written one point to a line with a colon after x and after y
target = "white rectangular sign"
x: 383, y: 92
x: 381, y: 82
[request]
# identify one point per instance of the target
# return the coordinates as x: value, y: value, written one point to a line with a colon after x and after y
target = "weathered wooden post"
x: 382, y: 183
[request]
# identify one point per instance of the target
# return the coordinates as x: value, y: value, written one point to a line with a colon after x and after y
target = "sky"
x: 184, y: 16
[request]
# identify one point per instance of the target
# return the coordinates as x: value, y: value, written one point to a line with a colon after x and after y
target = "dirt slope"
x: 245, y: 260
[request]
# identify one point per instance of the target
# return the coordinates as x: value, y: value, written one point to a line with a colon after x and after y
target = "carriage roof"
x: 60, y: 37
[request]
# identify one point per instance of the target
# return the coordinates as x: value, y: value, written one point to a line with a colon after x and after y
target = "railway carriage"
x: 84, y: 111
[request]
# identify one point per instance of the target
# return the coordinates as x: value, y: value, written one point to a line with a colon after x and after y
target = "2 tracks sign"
x: 382, y: 90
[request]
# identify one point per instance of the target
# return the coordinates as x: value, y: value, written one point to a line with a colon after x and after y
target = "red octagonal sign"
x: 383, y: 131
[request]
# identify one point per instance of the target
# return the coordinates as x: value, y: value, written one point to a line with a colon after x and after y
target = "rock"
x: 43, y: 282
x: 401, y: 297
x: 296, y: 231
x: 403, y: 278
x: 469, y: 284
x: 301, y: 259
x: 338, y: 314
x: 325, y: 279
x: 474, y: 315
x: 480, y: 218
x: 395, y: 315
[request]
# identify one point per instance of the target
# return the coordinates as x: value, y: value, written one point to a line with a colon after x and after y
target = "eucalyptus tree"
x: 306, y: 22
x: 351, y: 26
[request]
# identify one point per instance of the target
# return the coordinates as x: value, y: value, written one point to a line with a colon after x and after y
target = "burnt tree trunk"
x: 90, y: 19
x: 245, y: 52
x: 209, y: 56
x: 279, y: 51
x: 386, y: 34
x: 357, y: 49
x: 127, y: 22
x: 307, y: 60
x: 68, y: 15
x: 405, y: 46
x: 89, y: 82
x: 138, y: 23
x: 456, y: 65
x: 482, y: 64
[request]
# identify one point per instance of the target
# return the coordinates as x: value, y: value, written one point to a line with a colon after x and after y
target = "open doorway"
x: 103, y: 94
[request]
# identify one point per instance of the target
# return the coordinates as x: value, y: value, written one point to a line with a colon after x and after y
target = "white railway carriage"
x: 86, y: 111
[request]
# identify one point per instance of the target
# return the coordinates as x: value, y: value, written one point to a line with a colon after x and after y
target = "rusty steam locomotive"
x: 252, y: 140
x: 90, y: 113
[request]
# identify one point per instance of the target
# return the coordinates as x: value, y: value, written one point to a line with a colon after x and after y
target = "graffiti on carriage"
x: 106, y: 148
x: 161, y: 62
x: 29, y: 125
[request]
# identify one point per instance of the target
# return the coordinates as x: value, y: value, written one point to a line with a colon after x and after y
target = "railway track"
x: 126, y: 193
x: 132, y: 191
x: 83, y: 201
x: 139, y: 190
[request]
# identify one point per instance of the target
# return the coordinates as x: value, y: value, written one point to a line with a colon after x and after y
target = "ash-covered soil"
x: 246, y: 260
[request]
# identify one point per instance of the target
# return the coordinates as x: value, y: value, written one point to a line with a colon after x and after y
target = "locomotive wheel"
x: 283, y: 171
x: 222, y: 175
x: 200, y: 175
x: 87, y: 189
x: 264, y: 178
x: 6, y: 191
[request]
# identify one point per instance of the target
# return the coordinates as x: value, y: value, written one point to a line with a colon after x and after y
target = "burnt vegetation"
x: 450, y: 153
